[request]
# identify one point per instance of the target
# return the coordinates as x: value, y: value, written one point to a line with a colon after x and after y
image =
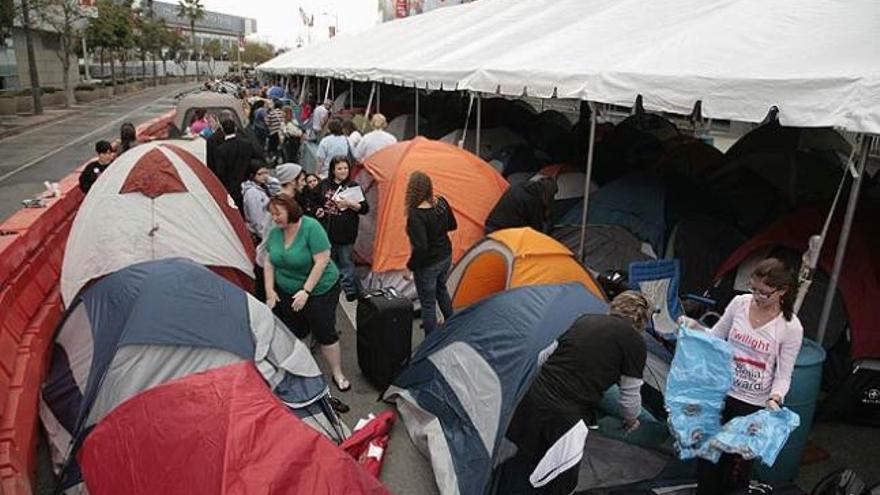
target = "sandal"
x: 342, y: 385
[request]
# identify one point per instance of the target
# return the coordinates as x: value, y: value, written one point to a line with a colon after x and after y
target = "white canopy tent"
x: 814, y: 60
x: 817, y: 61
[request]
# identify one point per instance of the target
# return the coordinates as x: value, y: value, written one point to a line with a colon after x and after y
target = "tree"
x: 214, y: 50
x: 111, y: 30
x: 193, y: 11
x: 175, y: 44
x: 32, y: 59
x: 256, y: 53
x: 148, y: 35
x: 68, y: 20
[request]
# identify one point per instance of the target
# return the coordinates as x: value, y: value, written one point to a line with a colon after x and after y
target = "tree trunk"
x: 65, y: 77
x: 113, y: 73
x: 155, y: 73
x: 32, y: 59
x: 192, y: 27
x: 102, y: 64
x: 124, y: 62
x: 164, y: 70
x: 144, y: 67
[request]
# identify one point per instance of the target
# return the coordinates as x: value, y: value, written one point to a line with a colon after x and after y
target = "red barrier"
x: 32, y: 243
x: 156, y: 128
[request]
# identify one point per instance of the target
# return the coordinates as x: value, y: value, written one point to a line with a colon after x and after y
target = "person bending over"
x: 549, y: 426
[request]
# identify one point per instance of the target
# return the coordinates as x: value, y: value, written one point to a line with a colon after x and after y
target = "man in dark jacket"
x: 90, y: 174
x: 232, y: 160
x: 218, y: 137
x: 526, y: 204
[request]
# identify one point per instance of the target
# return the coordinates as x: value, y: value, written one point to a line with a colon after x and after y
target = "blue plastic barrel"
x: 802, y: 396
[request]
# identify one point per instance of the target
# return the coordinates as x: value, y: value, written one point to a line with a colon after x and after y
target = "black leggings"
x: 732, y: 471
x: 318, y: 317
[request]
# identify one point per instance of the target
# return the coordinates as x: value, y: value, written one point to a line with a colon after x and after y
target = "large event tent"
x: 739, y: 57
x: 812, y: 62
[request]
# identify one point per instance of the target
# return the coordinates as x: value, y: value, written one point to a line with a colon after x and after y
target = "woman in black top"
x: 428, y: 222
x: 341, y: 218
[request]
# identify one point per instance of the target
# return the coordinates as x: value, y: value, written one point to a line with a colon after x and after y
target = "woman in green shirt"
x: 302, y: 283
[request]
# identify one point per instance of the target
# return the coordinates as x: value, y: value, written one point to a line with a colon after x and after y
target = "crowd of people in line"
x: 305, y: 225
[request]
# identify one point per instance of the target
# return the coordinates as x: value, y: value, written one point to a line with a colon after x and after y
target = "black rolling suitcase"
x: 384, y: 335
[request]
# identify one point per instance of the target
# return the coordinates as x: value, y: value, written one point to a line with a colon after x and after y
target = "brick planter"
x: 87, y: 96
x: 7, y: 105
x: 24, y: 104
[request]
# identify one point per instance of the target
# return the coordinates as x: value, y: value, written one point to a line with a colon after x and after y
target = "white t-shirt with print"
x: 763, y: 357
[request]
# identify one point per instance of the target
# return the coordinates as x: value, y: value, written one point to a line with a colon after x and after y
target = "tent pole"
x: 327, y: 90
x: 370, y: 102
x: 467, y: 121
x: 587, y: 178
x: 844, y: 238
x: 303, y: 89
x: 417, y: 110
x: 479, y: 122
x: 351, y: 95
x: 378, y: 98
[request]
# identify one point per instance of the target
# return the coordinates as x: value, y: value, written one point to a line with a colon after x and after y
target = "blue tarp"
x: 696, y: 387
x: 759, y: 435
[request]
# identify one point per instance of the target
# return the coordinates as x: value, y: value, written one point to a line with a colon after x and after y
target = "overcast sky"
x: 279, y: 21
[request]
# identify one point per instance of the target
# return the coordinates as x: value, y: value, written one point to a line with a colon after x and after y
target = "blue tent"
x: 464, y: 382
x: 635, y: 202
x: 158, y: 321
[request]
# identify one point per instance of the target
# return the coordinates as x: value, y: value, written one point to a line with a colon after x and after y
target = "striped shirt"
x: 275, y: 120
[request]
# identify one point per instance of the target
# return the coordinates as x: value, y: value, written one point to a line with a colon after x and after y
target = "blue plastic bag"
x: 759, y: 435
x: 698, y: 382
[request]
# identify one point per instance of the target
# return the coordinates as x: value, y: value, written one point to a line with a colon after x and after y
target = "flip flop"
x: 343, y: 386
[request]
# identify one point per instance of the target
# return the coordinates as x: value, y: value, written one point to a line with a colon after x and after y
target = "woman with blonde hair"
x: 429, y: 220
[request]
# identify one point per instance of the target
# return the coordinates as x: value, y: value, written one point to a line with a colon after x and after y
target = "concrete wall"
x: 48, y: 63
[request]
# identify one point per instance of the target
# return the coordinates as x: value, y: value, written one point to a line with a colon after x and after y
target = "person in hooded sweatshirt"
x: 255, y: 194
x: 340, y: 218
x: 429, y: 220
x: 527, y: 204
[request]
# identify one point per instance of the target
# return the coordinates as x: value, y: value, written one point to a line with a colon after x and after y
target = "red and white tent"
x: 156, y: 201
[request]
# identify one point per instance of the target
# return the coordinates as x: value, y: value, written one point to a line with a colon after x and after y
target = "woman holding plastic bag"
x: 766, y: 337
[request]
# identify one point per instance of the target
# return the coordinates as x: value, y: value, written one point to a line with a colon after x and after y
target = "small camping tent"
x: 606, y: 247
x: 470, y: 185
x: 457, y: 415
x: 775, y: 168
x: 514, y: 258
x: 157, y: 321
x: 218, y: 431
x: 859, y: 283
x: 156, y: 201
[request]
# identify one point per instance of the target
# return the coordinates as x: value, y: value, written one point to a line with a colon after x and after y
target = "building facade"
x: 225, y: 28
x: 14, y: 73
x: 395, y: 9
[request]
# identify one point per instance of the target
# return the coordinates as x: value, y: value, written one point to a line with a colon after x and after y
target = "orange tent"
x: 514, y: 258
x: 471, y: 186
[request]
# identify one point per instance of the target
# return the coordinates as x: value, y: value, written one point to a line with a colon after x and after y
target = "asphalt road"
x: 51, y: 151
